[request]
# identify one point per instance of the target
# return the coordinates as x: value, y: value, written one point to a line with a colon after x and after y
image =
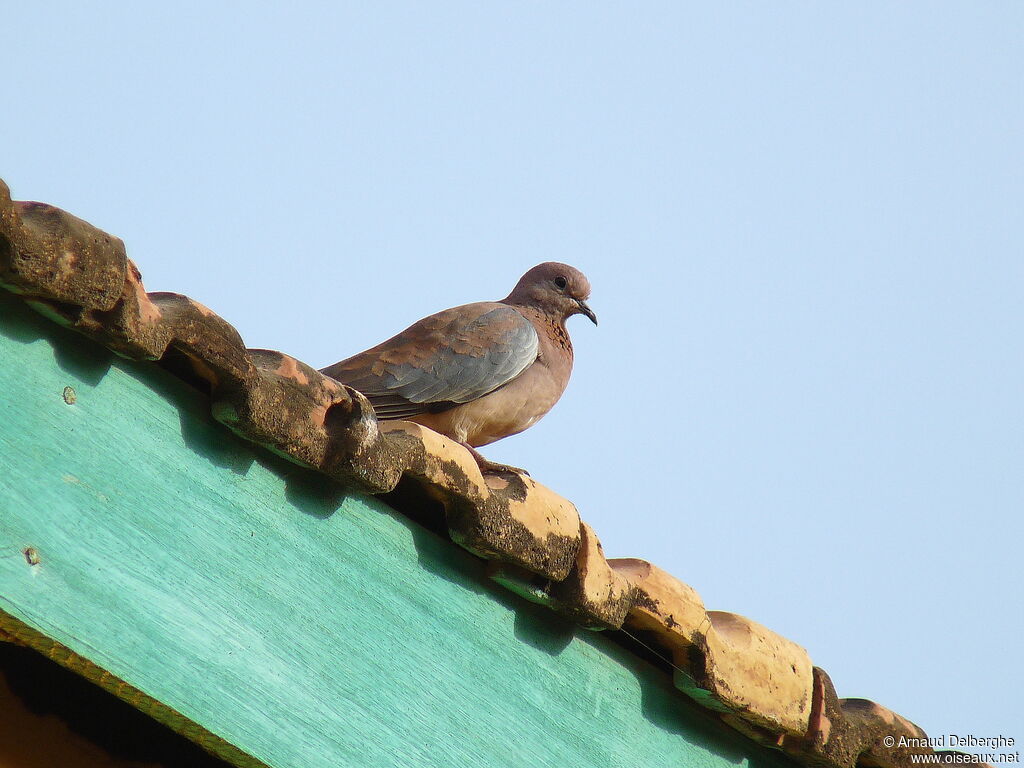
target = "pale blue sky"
x: 802, y: 222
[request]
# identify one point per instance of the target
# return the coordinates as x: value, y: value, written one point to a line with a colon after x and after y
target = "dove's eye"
x: 561, y: 282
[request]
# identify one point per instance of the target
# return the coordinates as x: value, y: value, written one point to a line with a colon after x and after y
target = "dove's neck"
x: 559, y: 336
x: 555, y: 351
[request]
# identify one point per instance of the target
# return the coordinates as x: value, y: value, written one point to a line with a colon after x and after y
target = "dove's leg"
x: 486, y: 465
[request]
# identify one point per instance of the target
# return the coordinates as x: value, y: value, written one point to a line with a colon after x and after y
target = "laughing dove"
x: 478, y: 372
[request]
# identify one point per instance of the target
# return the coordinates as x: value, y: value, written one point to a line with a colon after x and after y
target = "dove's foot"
x: 486, y: 465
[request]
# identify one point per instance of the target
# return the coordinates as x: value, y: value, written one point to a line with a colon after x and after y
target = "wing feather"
x: 453, y: 357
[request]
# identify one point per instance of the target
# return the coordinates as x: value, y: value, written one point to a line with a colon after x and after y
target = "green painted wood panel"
x: 305, y: 625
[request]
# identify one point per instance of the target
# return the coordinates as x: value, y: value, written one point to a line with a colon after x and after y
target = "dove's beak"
x: 585, y: 310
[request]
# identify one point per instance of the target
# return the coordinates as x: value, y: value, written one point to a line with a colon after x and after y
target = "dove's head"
x: 554, y: 288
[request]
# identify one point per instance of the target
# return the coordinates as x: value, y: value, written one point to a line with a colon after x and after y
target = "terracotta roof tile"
x: 762, y: 684
x: 594, y: 594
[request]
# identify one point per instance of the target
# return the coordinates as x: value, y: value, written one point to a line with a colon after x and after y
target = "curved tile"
x: 886, y: 739
x: 593, y: 594
x: 212, y: 345
x: 134, y: 327
x: 283, y: 408
x: 663, y: 605
x: 439, y: 463
x: 758, y: 673
x: 521, y: 522
x: 830, y: 738
x: 46, y: 251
